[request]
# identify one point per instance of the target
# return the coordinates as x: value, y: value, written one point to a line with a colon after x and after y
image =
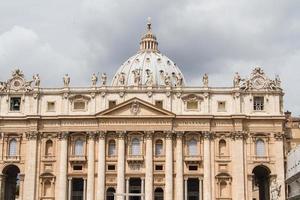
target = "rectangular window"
x: 193, y: 167
x: 51, y: 106
x: 192, y: 105
x: 221, y: 106
x: 158, y: 167
x: 15, y: 103
x: 79, y: 105
x: 112, y: 104
x: 258, y: 103
x: 77, y: 167
x: 111, y: 167
x: 159, y: 104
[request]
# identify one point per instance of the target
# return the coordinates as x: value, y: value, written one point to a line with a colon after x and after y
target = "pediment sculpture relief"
x: 18, y: 83
x: 257, y: 81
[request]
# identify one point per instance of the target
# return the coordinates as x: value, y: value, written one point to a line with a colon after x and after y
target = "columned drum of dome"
x: 147, y: 136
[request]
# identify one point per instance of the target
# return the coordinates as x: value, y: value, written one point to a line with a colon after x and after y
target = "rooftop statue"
x: 66, y: 80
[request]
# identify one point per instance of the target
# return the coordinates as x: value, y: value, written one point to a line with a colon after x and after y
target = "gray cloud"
x: 217, y: 37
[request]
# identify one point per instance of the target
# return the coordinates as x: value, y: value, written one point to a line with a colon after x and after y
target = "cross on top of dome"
x: 149, y: 42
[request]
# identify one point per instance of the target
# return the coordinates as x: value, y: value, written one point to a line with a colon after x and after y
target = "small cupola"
x: 148, y: 41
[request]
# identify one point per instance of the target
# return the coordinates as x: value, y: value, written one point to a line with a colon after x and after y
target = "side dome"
x: 148, y: 67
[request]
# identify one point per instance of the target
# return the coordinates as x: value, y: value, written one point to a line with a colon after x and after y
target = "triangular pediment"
x: 135, y: 107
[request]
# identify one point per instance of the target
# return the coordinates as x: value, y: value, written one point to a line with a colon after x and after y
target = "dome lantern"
x: 149, y: 42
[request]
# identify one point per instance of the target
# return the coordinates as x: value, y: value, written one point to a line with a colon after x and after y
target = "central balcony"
x: 77, y: 158
x: 135, y: 159
x: 193, y: 159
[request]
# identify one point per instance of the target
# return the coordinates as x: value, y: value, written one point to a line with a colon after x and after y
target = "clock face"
x: 16, y: 84
x: 258, y: 83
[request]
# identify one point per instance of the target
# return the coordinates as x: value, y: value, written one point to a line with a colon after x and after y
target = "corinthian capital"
x: 149, y: 135
x: 279, y: 136
x: 169, y: 135
x: 121, y: 134
x: 102, y: 135
x: 63, y: 135
x: 179, y: 134
x: 207, y: 135
x: 92, y: 135
x: 239, y: 135
x: 32, y: 135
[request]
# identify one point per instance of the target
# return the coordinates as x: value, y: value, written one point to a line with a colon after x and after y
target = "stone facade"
x: 142, y: 138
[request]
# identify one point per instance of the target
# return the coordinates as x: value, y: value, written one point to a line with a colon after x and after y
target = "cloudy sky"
x: 217, y: 37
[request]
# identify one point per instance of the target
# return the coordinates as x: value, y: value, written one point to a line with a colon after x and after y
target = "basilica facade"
x: 144, y: 136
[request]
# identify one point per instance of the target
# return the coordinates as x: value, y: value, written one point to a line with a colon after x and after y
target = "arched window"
x: 47, y: 189
x: 158, y: 194
x: 78, y: 150
x: 112, y: 148
x: 223, y: 189
x: 110, y: 193
x: 49, y: 148
x: 260, y: 147
x: 222, y: 147
x: 159, y: 147
x: 12, y: 150
x: 135, y: 147
x: 192, y: 147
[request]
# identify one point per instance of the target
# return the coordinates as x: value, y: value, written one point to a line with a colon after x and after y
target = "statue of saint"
x: 36, y: 79
x: 236, y: 80
x: 3, y: 86
x: 94, y: 79
x: 149, y: 78
x: 121, y: 78
x: 167, y: 80
x: 103, y: 79
x: 179, y: 80
x: 277, y: 81
x: 275, y: 190
x: 66, y: 80
x: 136, y: 76
x: 205, y: 80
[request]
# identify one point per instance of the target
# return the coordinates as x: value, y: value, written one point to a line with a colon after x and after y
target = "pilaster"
x: 31, y: 166
x: 101, y: 166
x: 169, y: 166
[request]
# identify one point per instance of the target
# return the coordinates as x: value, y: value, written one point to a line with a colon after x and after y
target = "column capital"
x: 238, y: 135
x: 279, y: 136
x: 63, y: 135
x: 169, y: 135
x: 32, y: 135
x: 92, y: 135
x: 179, y: 134
x: 101, y: 135
x: 121, y: 134
x: 207, y: 135
x: 148, y: 135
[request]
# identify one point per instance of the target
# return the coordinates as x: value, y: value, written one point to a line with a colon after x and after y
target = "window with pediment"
x: 135, y: 147
x: 192, y: 102
x: 12, y: 147
x: 111, y: 147
x: 79, y: 102
x: 159, y: 147
x: 260, y: 148
x: 192, y: 147
x: 79, y: 147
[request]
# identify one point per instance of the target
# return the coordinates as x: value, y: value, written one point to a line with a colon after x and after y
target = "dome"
x: 148, y: 67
